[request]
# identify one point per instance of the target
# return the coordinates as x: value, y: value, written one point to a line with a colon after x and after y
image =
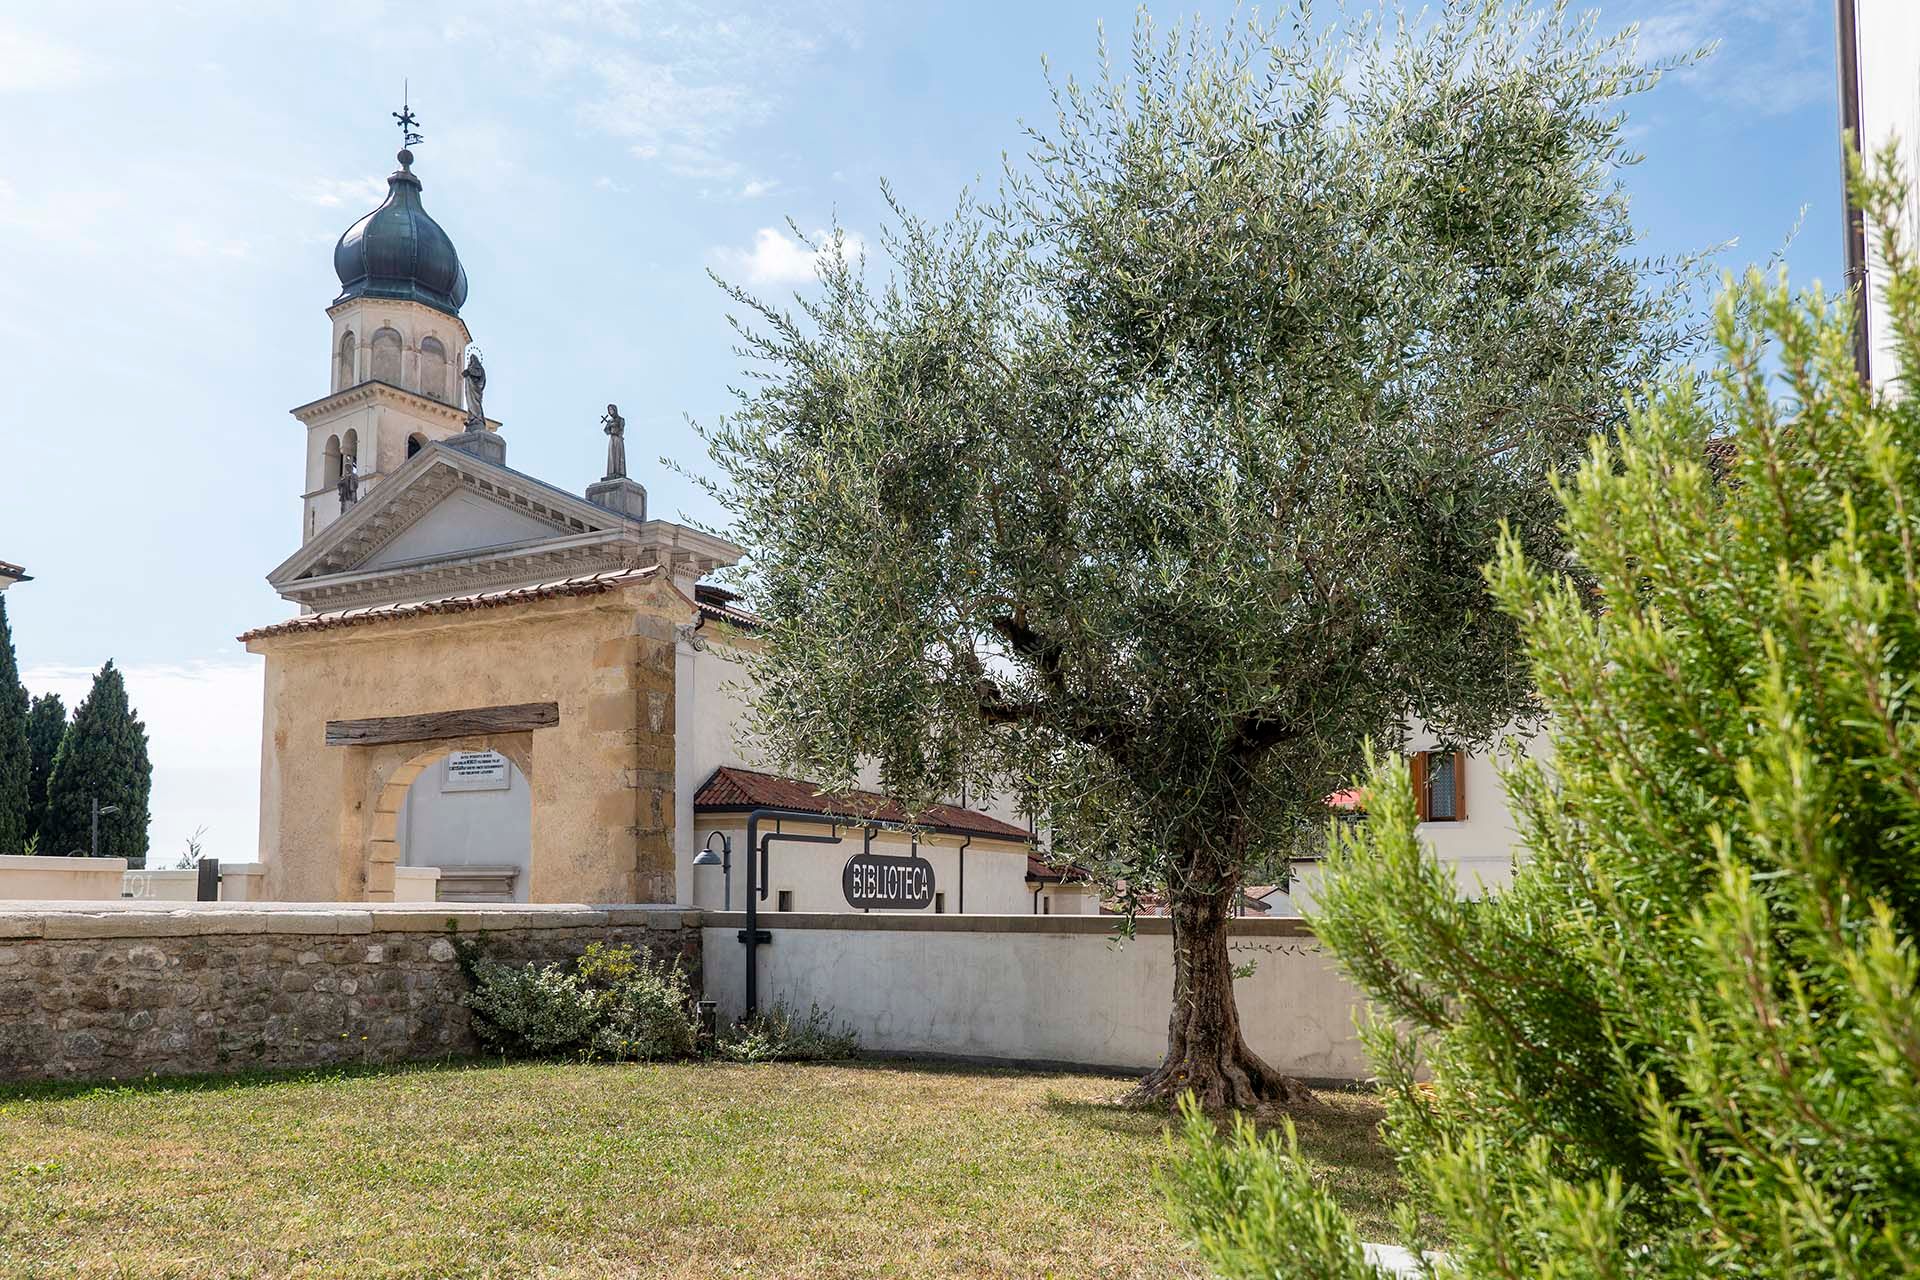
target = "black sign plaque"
x: 887, y: 882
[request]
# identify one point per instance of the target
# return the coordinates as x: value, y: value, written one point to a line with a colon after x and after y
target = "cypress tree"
x: 103, y: 756
x: 46, y: 725
x: 15, y: 767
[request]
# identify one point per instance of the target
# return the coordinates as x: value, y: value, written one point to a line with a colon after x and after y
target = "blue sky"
x: 173, y: 177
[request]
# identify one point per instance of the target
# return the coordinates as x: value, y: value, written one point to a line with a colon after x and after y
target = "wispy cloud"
x: 758, y: 187
x: 31, y: 62
x: 1774, y: 56
x: 677, y: 82
x: 345, y: 193
x: 779, y: 259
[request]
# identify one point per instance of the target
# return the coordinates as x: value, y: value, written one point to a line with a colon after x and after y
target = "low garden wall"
x: 1052, y: 989
x: 125, y: 988
x: 25, y: 875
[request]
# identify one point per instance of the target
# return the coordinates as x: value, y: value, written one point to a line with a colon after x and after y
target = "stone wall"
x: 110, y: 990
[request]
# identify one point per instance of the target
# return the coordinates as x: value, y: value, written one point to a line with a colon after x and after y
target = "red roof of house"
x: 717, y: 602
x: 732, y: 790
x: 14, y: 571
x: 1041, y: 871
x: 584, y: 585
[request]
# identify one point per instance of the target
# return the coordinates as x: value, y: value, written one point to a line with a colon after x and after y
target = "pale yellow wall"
x: 601, y: 780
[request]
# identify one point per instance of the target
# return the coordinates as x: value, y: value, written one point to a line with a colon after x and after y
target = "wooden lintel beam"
x: 443, y: 724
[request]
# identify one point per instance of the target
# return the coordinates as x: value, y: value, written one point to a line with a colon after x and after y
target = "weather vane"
x: 405, y: 118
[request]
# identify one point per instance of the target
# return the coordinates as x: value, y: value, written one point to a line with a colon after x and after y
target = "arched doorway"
x: 470, y: 813
x: 473, y: 817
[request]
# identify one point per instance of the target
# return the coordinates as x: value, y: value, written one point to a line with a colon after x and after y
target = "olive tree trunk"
x: 1206, y: 1054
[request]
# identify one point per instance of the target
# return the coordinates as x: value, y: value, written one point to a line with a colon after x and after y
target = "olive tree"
x: 1157, y: 484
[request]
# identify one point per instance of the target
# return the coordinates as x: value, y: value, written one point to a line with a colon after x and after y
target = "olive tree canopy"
x: 1157, y: 485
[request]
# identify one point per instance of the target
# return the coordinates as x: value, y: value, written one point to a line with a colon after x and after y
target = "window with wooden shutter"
x: 1440, y: 786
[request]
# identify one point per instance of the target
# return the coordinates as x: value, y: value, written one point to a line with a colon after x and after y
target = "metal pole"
x: 751, y: 937
x: 963, y: 875
x: 94, y: 843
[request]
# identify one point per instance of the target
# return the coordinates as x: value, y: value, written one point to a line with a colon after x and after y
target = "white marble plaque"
x: 475, y: 771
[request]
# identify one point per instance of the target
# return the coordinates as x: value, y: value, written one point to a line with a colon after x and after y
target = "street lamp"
x: 723, y: 859
x: 99, y: 809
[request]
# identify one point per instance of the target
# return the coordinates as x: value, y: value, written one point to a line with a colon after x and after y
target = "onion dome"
x: 397, y: 251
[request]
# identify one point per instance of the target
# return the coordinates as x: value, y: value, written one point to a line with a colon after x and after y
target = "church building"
x: 498, y: 688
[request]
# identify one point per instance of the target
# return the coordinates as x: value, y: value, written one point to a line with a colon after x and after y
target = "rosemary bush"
x: 1687, y: 1041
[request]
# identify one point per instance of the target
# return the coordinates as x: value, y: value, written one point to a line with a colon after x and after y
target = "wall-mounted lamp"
x: 723, y: 859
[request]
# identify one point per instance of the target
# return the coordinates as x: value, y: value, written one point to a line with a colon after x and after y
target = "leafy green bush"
x: 612, y: 1002
x: 530, y: 1009
x: 780, y: 1035
x: 1686, y: 1042
x: 645, y: 1008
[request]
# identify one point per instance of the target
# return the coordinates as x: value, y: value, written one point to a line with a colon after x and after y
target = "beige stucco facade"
x: 601, y: 778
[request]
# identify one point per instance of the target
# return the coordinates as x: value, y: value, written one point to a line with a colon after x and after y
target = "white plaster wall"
x: 706, y: 714
x: 453, y: 828
x: 239, y: 882
x: 1071, y: 992
x: 39, y: 877
x: 1480, y: 850
x: 1889, y: 32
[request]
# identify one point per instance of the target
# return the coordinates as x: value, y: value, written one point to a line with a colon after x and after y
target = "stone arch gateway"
x: 573, y: 682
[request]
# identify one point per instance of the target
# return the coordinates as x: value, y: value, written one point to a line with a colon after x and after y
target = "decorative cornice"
x: 371, y: 302
x: 578, y: 585
x: 508, y: 567
x: 373, y: 389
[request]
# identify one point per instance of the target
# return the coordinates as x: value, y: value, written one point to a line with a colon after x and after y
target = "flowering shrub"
x: 613, y: 1003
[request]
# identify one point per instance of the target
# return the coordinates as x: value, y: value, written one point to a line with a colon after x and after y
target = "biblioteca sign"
x: 887, y: 882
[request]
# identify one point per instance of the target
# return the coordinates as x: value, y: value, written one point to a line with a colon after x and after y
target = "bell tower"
x: 394, y: 354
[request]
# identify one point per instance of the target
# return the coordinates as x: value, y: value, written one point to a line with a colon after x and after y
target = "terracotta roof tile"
x: 732, y: 790
x: 1043, y: 872
x: 584, y: 585
x: 717, y: 602
x: 14, y: 571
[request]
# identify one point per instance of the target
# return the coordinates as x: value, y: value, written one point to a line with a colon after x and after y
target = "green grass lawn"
x: 558, y: 1170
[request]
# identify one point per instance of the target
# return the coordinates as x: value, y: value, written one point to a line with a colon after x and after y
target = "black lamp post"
x: 753, y: 936
x: 99, y: 809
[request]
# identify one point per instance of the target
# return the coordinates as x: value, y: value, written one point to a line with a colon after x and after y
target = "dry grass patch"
x: 556, y: 1170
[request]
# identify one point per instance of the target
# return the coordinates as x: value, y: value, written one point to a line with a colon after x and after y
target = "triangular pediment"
x: 460, y: 524
x: 446, y: 507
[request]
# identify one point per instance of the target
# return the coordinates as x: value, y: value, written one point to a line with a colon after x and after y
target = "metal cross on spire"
x: 405, y: 118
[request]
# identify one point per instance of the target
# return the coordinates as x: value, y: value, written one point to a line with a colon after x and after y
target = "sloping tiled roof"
x: 717, y: 603
x: 1042, y: 872
x: 14, y: 571
x: 584, y: 585
x: 732, y: 790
